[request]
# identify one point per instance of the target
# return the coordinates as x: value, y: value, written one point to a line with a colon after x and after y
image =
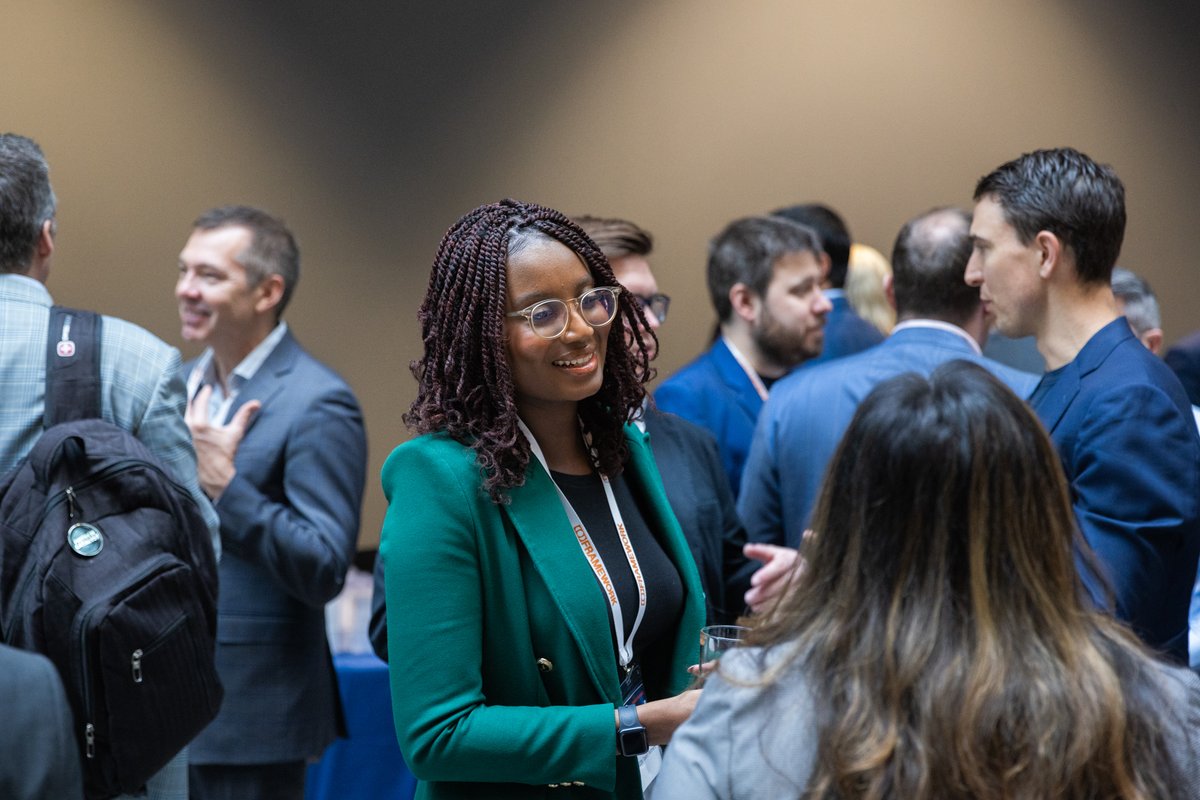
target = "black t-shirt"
x: 664, y: 588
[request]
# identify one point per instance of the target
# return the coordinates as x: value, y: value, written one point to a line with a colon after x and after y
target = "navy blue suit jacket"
x: 846, y: 333
x: 713, y: 392
x: 698, y: 492
x: 808, y: 412
x: 1184, y: 359
x: 1125, y: 432
x: 289, y: 526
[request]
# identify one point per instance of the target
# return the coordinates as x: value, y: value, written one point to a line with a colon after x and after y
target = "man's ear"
x: 270, y: 293
x: 826, y: 265
x: 744, y: 301
x: 1153, y: 340
x: 45, y: 240
x: 1050, y: 251
x: 889, y: 290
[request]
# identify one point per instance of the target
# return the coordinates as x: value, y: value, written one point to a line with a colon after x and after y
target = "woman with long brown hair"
x: 939, y: 643
x: 538, y: 585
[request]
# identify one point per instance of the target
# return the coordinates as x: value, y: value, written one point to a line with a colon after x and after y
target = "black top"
x: 664, y: 588
x: 1045, y: 385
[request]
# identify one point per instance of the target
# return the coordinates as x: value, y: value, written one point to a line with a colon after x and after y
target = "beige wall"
x: 371, y: 130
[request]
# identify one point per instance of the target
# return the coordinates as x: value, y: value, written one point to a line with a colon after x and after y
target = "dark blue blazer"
x: 846, y: 333
x: 808, y: 412
x: 289, y: 526
x: 713, y: 392
x: 698, y: 492
x: 1184, y: 359
x: 1125, y: 432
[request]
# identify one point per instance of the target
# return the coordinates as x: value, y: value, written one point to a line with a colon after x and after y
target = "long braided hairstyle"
x: 465, y: 385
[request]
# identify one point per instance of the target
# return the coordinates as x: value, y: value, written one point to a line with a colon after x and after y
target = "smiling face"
x: 1006, y: 272
x: 217, y: 305
x: 569, y: 368
x: 790, y: 327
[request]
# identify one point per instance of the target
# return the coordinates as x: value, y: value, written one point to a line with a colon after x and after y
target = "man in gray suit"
x: 282, y: 453
x: 41, y: 759
x: 140, y: 387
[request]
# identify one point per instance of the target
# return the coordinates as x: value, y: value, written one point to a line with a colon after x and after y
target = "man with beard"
x: 940, y: 318
x: 764, y: 279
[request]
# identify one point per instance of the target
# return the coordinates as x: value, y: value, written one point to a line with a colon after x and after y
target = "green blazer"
x: 502, y: 668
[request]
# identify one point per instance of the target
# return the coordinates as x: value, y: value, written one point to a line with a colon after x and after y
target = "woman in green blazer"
x: 535, y: 575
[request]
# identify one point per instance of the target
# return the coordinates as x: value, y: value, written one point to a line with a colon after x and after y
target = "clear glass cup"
x: 715, y: 640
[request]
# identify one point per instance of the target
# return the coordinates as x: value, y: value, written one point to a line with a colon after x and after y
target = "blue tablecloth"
x: 368, y: 765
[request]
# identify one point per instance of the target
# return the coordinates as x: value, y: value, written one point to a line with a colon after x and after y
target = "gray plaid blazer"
x: 142, y: 390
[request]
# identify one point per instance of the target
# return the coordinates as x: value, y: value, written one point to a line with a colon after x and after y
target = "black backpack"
x: 107, y: 568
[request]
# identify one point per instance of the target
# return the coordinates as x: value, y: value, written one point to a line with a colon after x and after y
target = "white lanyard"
x: 624, y: 644
x: 744, y: 363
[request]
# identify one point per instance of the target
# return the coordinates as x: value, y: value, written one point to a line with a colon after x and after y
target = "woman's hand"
x: 662, y: 717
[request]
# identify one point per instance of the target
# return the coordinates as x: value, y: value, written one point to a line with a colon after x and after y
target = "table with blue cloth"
x: 368, y: 764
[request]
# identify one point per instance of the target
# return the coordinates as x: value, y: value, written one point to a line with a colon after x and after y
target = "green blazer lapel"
x: 538, y: 517
x: 644, y: 474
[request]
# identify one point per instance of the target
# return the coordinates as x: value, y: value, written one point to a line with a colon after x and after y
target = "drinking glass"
x: 715, y: 640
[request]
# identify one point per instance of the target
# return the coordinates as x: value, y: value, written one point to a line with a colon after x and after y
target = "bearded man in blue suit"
x: 764, y: 279
x: 1047, y: 230
x: 281, y: 450
x: 940, y: 319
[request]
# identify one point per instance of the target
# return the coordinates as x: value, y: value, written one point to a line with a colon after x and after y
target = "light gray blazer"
x: 753, y: 742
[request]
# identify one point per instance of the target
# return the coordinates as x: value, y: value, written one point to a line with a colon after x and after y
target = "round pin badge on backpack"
x: 85, y: 539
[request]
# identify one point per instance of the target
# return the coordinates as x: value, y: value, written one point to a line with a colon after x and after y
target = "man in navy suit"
x: 940, y: 318
x: 1047, y: 230
x: 846, y: 333
x: 764, y: 279
x: 281, y: 450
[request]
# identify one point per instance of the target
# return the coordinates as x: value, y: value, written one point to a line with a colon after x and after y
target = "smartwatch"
x: 631, y: 733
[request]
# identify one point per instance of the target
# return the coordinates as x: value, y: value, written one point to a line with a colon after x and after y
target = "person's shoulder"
x: 320, y: 374
x: 122, y: 338
x: 25, y: 671
x: 677, y: 427
x: 437, y: 447
x: 820, y: 376
x: 699, y: 369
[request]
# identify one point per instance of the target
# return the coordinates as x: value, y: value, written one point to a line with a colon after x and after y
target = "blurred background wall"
x: 371, y: 126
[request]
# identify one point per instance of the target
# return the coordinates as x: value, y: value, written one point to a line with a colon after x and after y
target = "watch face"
x: 633, y: 741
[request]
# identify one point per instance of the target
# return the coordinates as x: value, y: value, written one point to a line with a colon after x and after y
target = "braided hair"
x: 465, y: 384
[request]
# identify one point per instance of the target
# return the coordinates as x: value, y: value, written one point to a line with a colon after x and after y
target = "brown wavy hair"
x: 941, y: 624
x: 465, y: 386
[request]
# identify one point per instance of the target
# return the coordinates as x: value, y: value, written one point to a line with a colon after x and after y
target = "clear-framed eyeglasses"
x: 656, y: 304
x: 549, y: 318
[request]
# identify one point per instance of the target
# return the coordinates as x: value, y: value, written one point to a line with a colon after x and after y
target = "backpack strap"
x: 72, y: 366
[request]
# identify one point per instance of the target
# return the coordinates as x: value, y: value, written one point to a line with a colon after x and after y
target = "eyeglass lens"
x: 656, y: 304
x: 598, y: 306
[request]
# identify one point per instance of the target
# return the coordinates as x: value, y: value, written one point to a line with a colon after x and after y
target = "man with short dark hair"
x: 939, y: 319
x: 1047, y: 230
x: 282, y: 453
x: 140, y: 387
x: 846, y: 333
x: 764, y: 280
